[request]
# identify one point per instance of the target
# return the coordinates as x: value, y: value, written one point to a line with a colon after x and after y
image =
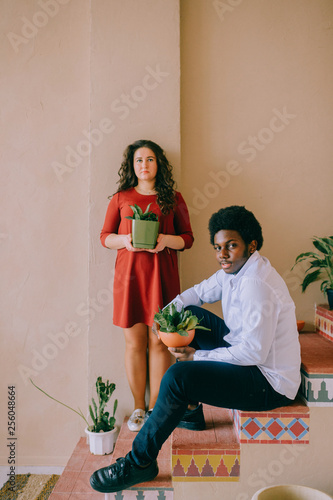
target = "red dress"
x: 144, y: 281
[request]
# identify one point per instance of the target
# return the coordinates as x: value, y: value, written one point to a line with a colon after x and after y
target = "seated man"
x: 249, y: 361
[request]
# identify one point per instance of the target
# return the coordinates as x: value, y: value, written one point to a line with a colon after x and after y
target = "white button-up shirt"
x: 260, y: 314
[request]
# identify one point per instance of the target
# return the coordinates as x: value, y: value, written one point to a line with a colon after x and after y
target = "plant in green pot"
x: 176, y: 328
x: 320, y: 266
x: 145, y: 227
x: 101, y: 433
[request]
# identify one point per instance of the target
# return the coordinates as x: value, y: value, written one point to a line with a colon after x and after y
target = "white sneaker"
x: 136, y: 420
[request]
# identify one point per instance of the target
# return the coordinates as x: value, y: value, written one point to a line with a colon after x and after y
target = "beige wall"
x: 104, y: 72
x: 44, y: 223
x: 135, y: 83
x: 242, y: 65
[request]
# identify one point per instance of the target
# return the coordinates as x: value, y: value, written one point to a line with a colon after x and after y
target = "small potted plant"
x: 176, y: 328
x: 320, y: 266
x: 101, y: 433
x: 145, y: 227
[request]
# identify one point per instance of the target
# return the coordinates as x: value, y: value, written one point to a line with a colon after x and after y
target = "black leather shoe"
x: 123, y: 474
x: 193, y: 420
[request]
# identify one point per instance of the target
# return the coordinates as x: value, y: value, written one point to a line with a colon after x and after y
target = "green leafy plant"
x: 139, y: 214
x: 321, y: 265
x: 101, y: 418
x: 171, y: 320
x: 102, y: 421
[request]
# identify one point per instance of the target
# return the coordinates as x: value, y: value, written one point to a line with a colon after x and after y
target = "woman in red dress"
x: 145, y: 279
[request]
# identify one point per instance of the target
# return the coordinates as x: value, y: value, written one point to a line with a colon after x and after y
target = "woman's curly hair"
x: 236, y: 218
x: 164, y: 185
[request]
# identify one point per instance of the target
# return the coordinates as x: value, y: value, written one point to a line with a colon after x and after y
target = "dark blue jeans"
x: 212, y: 382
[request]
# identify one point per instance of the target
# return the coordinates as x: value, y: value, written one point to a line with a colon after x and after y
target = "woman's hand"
x: 127, y: 240
x: 161, y: 243
x: 168, y: 241
x: 182, y: 353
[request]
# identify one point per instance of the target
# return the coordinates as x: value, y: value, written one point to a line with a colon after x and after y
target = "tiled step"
x: 209, y: 455
x: 213, y: 454
x: 160, y: 487
x: 317, y: 369
x: 285, y: 425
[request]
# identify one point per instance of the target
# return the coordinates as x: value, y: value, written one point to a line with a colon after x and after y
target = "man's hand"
x: 182, y: 353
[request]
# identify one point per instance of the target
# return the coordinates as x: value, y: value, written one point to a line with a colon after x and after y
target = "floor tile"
x: 59, y: 496
x: 66, y: 482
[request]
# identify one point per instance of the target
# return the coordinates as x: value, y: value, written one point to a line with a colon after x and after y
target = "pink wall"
x: 251, y: 82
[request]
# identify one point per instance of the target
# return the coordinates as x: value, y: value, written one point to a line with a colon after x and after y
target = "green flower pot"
x: 144, y: 233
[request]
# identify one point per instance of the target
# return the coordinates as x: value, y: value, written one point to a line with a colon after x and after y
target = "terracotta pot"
x: 173, y: 339
x: 300, y: 325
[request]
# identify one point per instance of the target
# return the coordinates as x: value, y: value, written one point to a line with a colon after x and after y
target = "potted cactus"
x: 176, y: 328
x: 101, y: 433
x: 320, y: 266
x: 145, y: 227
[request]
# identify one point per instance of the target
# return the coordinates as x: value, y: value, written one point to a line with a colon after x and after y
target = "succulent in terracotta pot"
x: 176, y: 328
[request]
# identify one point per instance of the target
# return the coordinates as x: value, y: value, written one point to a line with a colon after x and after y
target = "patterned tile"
x: 206, y: 467
x: 210, y: 455
x: 317, y: 362
x: 141, y: 494
x: 317, y: 389
x: 282, y: 425
x: 324, y: 321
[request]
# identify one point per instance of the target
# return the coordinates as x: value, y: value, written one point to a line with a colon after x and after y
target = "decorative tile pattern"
x: 324, y: 321
x: 141, y: 494
x: 283, y: 425
x: 317, y: 389
x: 317, y: 365
x: 206, y: 465
x: 209, y: 455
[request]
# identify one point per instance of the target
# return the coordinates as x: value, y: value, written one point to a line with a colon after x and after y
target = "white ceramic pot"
x: 290, y: 492
x: 101, y: 443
